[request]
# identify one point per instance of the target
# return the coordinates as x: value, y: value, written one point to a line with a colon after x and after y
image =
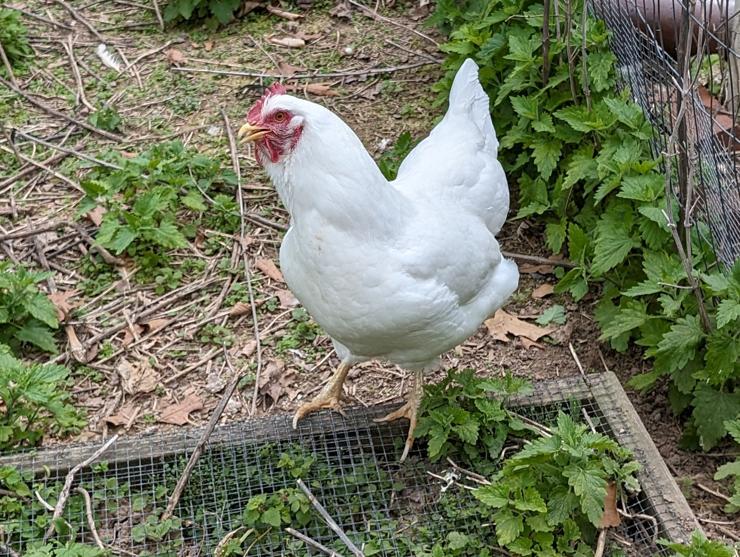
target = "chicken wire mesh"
x: 351, y: 465
x: 650, y: 41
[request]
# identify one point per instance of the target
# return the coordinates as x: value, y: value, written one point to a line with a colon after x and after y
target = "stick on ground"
x: 312, y: 542
x: 64, y: 494
x: 329, y: 520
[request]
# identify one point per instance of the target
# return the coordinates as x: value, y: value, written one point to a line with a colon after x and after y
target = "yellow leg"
x: 408, y: 411
x: 329, y: 397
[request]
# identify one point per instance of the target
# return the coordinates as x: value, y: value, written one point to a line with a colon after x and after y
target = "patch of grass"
x: 14, y: 39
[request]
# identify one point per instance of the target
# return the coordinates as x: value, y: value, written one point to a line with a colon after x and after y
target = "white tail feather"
x: 467, y: 94
x: 108, y: 58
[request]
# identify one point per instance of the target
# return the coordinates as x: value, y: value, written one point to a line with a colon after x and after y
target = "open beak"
x: 248, y: 132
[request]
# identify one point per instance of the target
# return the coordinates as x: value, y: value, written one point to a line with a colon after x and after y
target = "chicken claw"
x: 330, y: 396
x: 408, y: 411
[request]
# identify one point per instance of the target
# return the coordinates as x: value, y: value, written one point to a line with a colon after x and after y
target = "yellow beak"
x: 248, y: 132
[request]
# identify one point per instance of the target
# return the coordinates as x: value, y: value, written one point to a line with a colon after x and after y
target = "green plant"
x: 67, y: 549
x: 153, y: 202
x: 582, y: 157
x: 34, y: 402
x: 216, y: 11
x: 548, y: 499
x: 301, y: 332
x: 699, y: 546
x: 459, y: 416
x: 732, y: 469
x: 219, y: 335
x: 14, y: 39
x: 392, y: 158
x: 26, y: 314
x: 106, y: 118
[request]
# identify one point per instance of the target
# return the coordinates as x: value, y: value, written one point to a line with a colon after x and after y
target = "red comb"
x: 254, y: 113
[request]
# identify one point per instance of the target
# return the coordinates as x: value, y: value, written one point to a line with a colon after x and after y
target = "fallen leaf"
x: 208, y: 46
x: 174, y: 56
x: 139, y: 378
x: 268, y: 267
x: 288, y: 70
x: 290, y: 42
x: 125, y: 416
x: 341, y: 11
x: 543, y: 290
x: 283, y: 13
x: 611, y: 516
x: 320, y: 90
x: 531, y: 269
x: 129, y: 335
x: 95, y: 215
x: 179, y: 414
x: 215, y: 383
x: 154, y: 325
x: 240, y: 308
x: 274, y: 381
x: 527, y: 344
x: 249, y: 348
x: 75, y: 346
x: 61, y: 302
x: 503, y: 324
x: 287, y: 300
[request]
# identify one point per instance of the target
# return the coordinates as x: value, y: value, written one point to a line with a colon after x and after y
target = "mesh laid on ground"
x: 352, y: 467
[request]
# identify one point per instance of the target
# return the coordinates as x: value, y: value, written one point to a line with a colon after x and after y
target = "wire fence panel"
x: 683, y: 68
x: 350, y: 464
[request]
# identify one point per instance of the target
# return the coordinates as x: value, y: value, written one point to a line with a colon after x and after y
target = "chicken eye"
x: 280, y: 116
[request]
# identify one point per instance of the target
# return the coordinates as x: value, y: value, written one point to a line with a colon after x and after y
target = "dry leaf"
x: 341, y: 10
x: 282, y: 13
x: 287, y: 300
x: 543, y: 290
x: 503, y: 324
x: 240, y: 308
x: 288, y: 70
x: 130, y: 336
x: 208, y: 46
x: 125, y: 416
x: 274, y: 381
x: 75, y: 346
x: 290, y: 42
x: 179, y: 414
x: 611, y: 516
x: 60, y: 299
x: 96, y: 215
x: 320, y: 89
x: 154, y: 325
x: 249, y: 348
x: 530, y: 269
x: 268, y: 267
x: 139, y: 378
x: 527, y: 344
x: 174, y: 56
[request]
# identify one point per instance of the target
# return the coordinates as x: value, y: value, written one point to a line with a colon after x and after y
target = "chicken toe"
x: 330, y: 396
x: 408, y: 411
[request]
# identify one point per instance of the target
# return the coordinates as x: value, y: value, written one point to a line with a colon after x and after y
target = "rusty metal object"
x: 662, y: 19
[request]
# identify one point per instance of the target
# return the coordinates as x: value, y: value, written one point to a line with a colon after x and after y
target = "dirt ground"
x: 136, y: 369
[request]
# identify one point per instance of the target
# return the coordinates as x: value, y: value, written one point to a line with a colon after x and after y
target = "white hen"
x: 400, y: 271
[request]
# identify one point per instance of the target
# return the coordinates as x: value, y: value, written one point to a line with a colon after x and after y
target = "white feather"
x: 108, y: 58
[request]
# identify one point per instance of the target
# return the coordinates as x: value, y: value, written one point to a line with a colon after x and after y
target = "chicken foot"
x: 330, y: 396
x: 408, y: 411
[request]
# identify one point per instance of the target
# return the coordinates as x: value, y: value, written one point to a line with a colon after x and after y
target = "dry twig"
x: 312, y: 542
x: 330, y: 522
x: 64, y: 494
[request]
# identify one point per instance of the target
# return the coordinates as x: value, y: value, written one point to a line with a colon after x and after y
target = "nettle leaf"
x: 681, y: 341
x: 546, y: 156
x: 728, y: 311
x: 625, y: 319
x: 642, y: 187
x: 590, y: 487
x: 600, y: 70
x: 41, y: 307
x: 555, y: 236
x: 733, y: 428
x: 526, y: 107
x: 494, y: 495
x: 722, y: 356
x: 711, y: 408
x: 508, y: 526
x: 614, y: 241
x: 581, y: 166
x: 36, y: 333
x: 580, y: 118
